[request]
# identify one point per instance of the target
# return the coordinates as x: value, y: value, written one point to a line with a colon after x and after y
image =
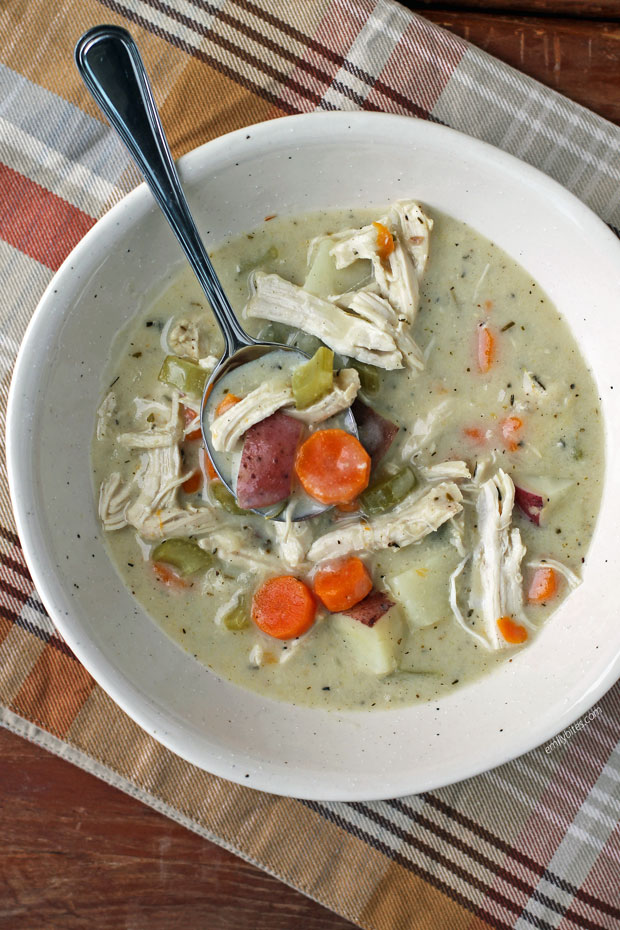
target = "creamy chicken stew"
x: 447, y: 530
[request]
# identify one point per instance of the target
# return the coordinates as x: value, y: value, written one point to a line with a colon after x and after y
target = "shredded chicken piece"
x: 114, y: 496
x: 183, y: 339
x: 282, y: 302
x: 456, y: 530
x: 178, y: 521
x: 256, y: 655
x: 497, y: 583
x: 343, y: 393
x: 154, y: 511
x: 398, y: 276
x: 229, y: 427
x: 292, y: 539
x: 426, y: 428
x: 156, y: 436
x: 208, y: 362
x: 378, y: 311
x: 443, y: 470
x: 105, y: 411
x: 411, y: 521
x: 454, y: 604
x: 483, y: 470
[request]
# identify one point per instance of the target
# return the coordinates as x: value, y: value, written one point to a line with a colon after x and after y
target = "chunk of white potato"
x: 421, y: 589
x: 377, y: 648
x: 324, y: 279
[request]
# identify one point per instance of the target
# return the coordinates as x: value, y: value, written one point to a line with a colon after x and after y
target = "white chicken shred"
x: 148, y: 502
x: 282, y: 302
x: 407, y: 523
x: 497, y: 583
x: 442, y: 470
x: 229, y: 427
x: 397, y: 276
x: 344, y: 391
x: 425, y: 429
x: 378, y: 311
x: 182, y: 339
x: 292, y: 539
x: 263, y: 401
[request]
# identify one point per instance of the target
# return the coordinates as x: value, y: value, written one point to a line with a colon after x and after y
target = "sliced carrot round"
x: 283, y: 607
x: 512, y: 632
x: 342, y: 583
x: 333, y: 466
x: 543, y: 587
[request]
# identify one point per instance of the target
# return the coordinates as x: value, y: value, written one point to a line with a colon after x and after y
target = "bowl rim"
x: 101, y: 671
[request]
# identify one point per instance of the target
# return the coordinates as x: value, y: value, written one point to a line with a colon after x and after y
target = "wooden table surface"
x: 77, y: 853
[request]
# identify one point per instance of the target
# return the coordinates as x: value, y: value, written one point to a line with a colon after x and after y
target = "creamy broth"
x: 538, y: 376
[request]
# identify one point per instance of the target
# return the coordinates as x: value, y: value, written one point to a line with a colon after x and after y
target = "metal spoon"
x: 112, y: 69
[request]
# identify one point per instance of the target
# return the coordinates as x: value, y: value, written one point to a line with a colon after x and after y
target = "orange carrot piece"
x: 543, y: 587
x: 193, y: 483
x: 207, y: 465
x: 488, y: 305
x: 385, y: 241
x: 512, y: 632
x: 189, y: 416
x: 168, y: 576
x: 474, y: 433
x: 510, y: 428
x: 227, y: 401
x: 486, y: 349
x: 342, y: 583
x: 283, y: 607
x: 333, y: 466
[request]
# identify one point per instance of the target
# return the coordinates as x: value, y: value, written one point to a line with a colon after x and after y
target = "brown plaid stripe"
x: 535, y: 843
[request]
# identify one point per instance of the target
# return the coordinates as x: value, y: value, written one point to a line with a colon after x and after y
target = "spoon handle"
x: 112, y: 69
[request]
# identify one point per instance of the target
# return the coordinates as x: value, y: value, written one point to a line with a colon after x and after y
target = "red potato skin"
x: 267, y: 460
x: 376, y: 434
x: 371, y: 609
x: 529, y: 503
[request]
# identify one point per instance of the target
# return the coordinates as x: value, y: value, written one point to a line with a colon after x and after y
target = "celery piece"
x: 225, y: 499
x: 183, y: 374
x: 370, y: 379
x: 237, y: 617
x: 314, y: 379
x: 185, y: 555
x: 388, y: 491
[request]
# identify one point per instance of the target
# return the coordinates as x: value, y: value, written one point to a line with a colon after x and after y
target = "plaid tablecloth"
x: 534, y: 843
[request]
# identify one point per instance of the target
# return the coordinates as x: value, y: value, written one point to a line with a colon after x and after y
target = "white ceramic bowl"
x: 295, y: 165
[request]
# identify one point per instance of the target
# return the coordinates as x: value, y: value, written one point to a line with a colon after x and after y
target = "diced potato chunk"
x: 422, y: 589
x: 324, y: 279
x: 377, y: 648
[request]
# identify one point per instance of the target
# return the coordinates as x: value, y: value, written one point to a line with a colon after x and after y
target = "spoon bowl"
x: 112, y: 69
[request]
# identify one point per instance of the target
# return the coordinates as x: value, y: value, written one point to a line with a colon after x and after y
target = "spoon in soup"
x: 112, y: 69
